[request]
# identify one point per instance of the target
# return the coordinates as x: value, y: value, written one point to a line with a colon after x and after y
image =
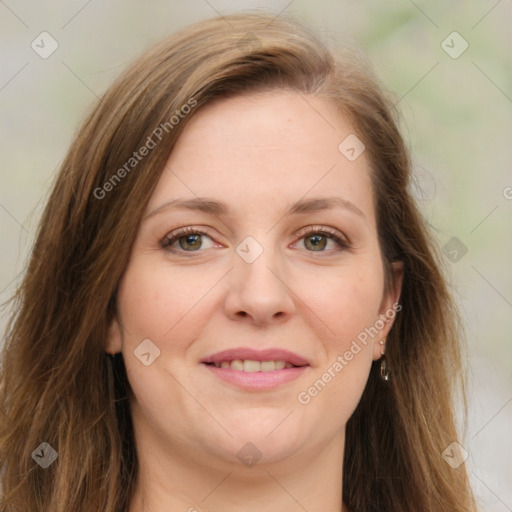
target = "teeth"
x: 237, y: 364
x: 251, y: 366
x: 268, y: 366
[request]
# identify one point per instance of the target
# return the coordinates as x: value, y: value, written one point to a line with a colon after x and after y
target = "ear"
x: 114, y: 337
x: 388, y: 309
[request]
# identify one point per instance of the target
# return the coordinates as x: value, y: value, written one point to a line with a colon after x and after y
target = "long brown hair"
x: 56, y: 382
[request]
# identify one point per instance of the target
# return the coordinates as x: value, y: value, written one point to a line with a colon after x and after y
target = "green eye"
x: 190, y: 242
x: 317, y: 238
x: 187, y: 240
x: 316, y: 242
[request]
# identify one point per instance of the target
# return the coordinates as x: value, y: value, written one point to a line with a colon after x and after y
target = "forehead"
x: 265, y: 150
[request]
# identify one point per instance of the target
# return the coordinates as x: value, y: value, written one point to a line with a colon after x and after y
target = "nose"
x: 258, y: 292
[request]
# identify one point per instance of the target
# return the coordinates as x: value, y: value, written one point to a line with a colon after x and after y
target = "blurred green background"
x: 457, y: 112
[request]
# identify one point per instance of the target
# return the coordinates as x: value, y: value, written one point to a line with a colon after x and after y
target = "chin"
x: 259, y: 444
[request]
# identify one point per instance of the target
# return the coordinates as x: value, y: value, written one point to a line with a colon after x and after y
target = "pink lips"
x: 254, y: 381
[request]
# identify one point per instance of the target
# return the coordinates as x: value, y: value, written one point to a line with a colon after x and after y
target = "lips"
x: 256, y: 370
x: 247, y: 354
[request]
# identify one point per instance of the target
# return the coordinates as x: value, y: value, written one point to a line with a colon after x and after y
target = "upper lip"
x: 270, y: 354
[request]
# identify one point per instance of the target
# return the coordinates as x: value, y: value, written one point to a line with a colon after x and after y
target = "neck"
x: 177, y: 477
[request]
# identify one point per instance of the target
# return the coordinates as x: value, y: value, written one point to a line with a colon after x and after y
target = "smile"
x: 251, y: 365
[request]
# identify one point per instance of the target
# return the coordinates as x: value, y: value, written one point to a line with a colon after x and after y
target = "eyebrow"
x: 217, y: 208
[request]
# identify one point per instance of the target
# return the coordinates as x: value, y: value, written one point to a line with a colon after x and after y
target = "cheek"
x: 336, y: 387
x: 352, y: 310
x: 166, y: 308
x: 157, y: 304
x: 347, y: 302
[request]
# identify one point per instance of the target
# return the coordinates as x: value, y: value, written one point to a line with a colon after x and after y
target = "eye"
x: 187, y: 239
x: 191, y: 239
x: 318, y: 238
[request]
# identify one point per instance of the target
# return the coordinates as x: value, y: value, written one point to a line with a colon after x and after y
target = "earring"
x: 384, y: 368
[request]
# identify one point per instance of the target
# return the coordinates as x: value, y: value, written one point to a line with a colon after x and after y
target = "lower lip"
x: 257, y: 380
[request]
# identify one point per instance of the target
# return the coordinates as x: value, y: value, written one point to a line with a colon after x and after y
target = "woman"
x: 232, y: 225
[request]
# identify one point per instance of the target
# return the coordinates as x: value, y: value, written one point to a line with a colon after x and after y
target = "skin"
x: 259, y: 154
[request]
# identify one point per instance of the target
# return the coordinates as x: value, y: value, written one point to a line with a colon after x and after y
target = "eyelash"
x: 310, y: 230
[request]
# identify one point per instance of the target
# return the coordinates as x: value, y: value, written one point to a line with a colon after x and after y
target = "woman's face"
x: 279, y: 261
